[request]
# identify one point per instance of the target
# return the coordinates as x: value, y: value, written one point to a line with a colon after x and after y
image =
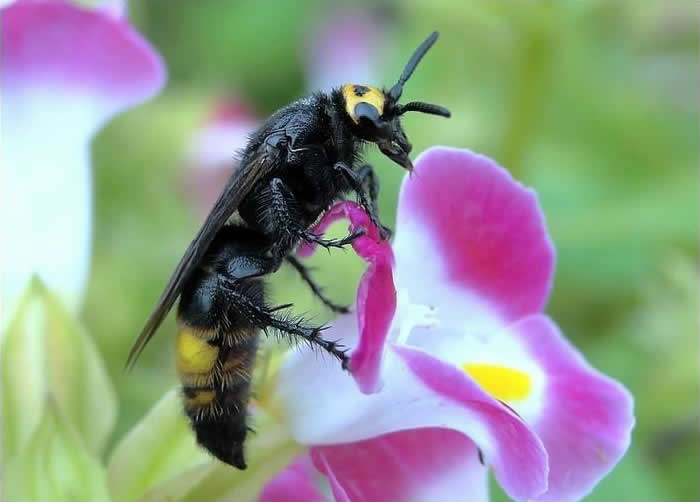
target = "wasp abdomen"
x: 215, y: 352
x: 216, y: 385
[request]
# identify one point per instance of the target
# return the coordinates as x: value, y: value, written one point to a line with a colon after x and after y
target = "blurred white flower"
x: 211, y: 153
x: 66, y: 71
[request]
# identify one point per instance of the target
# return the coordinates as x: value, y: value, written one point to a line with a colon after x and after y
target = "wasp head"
x: 377, y: 113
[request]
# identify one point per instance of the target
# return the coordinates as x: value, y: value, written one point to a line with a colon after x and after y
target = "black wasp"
x: 304, y: 158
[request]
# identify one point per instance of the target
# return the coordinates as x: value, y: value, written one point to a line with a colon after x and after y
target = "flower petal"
x: 376, y: 294
x: 50, y: 43
x: 211, y: 155
x: 587, y: 420
x: 466, y: 228
x: 419, y: 464
x: 518, y: 458
x: 582, y: 417
x: 343, y: 49
x: 66, y: 70
x: 324, y: 407
x: 294, y: 484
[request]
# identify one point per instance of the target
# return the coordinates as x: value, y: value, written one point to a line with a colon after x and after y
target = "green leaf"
x: 47, y: 353
x: 78, y: 379
x: 55, y: 466
x: 268, y: 451
x: 23, y: 373
x: 160, y: 460
x: 157, y: 449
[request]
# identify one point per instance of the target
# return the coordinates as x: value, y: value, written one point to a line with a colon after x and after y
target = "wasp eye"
x: 365, y: 110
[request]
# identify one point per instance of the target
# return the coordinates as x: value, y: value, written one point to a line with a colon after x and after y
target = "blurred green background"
x: 594, y: 104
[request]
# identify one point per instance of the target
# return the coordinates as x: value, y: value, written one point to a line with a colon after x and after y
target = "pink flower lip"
x: 55, y: 41
x: 376, y: 294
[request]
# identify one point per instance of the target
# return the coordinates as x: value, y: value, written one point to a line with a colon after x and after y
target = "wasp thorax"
x: 363, y: 101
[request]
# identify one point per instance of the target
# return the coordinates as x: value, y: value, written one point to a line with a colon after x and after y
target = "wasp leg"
x: 364, y: 182
x: 315, y: 288
x: 333, y: 243
x: 281, y: 217
x: 367, y: 177
x: 264, y: 318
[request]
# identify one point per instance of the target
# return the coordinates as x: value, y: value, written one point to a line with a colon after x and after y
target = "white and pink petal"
x: 298, y: 482
x: 411, y: 465
x: 66, y: 71
x: 587, y: 418
x: 471, y: 239
x: 419, y: 392
x: 55, y: 45
x: 583, y: 418
x: 211, y: 155
x: 344, y: 49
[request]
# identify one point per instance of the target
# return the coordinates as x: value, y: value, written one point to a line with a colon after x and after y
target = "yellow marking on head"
x: 200, y: 398
x: 355, y: 94
x: 501, y: 382
x: 194, y: 355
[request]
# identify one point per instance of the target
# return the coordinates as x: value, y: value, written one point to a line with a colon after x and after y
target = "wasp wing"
x: 237, y: 187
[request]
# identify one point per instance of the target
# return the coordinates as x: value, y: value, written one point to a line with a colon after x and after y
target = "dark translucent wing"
x: 238, y: 186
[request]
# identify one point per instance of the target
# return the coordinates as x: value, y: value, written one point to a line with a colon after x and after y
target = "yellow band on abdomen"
x: 194, y: 355
x: 199, y: 398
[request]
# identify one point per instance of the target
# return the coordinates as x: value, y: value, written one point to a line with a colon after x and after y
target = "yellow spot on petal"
x: 501, y: 382
x: 194, y: 355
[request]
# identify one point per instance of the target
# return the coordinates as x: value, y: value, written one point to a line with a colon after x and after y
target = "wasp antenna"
x: 396, y: 91
x: 419, y: 106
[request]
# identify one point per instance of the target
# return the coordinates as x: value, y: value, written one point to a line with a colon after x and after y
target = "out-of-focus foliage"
x: 591, y: 103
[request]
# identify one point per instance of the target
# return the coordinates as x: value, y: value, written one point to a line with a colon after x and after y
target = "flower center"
x: 501, y: 382
x: 411, y: 315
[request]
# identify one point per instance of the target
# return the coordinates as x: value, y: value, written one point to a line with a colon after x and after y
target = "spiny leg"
x: 315, y: 288
x: 282, y: 207
x: 264, y: 317
x: 332, y: 243
x: 364, y: 182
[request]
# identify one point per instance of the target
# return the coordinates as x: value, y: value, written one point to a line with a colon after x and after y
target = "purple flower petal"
x: 376, y: 294
x: 419, y: 464
x: 55, y: 43
x: 587, y: 420
x: 65, y: 71
x: 344, y: 49
x: 516, y: 454
x: 211, y: 156
x: 324, y: 407
x: 465, y: 222
x: 295, y: 483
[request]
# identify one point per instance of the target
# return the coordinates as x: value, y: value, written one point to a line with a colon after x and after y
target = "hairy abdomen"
x: 215, y: 354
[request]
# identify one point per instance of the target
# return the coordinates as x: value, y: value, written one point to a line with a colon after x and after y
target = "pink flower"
x: 344, y: 48
x: 66, y: 71
x: 470, y: 372
x: 211, y: 156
